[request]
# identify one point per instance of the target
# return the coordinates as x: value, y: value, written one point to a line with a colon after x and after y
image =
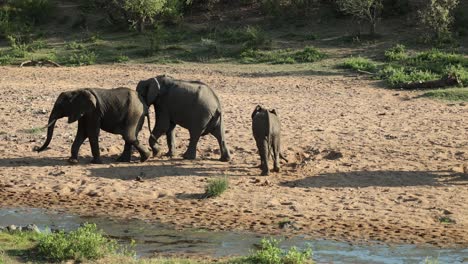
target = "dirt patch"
x: 365, y: 163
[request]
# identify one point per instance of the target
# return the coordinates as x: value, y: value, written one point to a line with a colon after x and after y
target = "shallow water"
x: 154, y: 238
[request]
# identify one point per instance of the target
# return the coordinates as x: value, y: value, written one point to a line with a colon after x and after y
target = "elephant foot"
x: 73, y: 161
x: 189, y: 156
x: 170, y: 154
x: 123, y: 158
x: 225, y: 158
x: 276, y: 169
x: 155, y: 151
x: 144, y: 156
x: 264, y: 173
x: 96, y: 161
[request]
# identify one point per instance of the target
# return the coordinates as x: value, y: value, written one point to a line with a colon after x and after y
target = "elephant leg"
x: 93, y: 134
x: 218, y: 133
x: 191, y: 152
x: 127, y: 153
x: 79, y: 139
x: 153, y: 141
x: 275, y: 147
x: 170, y: 137
x: 131, y: 139
x: 263, y: 151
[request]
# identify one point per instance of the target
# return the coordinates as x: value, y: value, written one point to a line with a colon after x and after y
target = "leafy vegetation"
x: 359, y: 64
x: 87, y: 242
x: 286, y: 56
x: 216, y: 187
x: 403, y: 68
x: 365, y: 10
x: 271, y: 253
x: 437, y: 17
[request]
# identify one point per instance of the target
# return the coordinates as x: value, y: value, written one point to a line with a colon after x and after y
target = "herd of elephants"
x: 190, y: 104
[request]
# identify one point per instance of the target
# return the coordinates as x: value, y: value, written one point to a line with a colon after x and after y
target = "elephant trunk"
x: 50, y: 131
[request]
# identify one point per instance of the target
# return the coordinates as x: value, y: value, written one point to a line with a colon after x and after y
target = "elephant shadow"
x: 173, y: 168
x: 361, y: 179
x: 49, y: 161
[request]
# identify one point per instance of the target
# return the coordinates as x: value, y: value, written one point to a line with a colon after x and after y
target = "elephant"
x: 117, y: 111
x: 266, y: 130
x: 190, y: 104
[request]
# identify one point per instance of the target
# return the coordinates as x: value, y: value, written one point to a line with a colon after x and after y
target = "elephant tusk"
x: 51, y: 123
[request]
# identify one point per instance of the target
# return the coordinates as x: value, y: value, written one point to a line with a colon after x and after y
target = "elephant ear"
x: 149, y: 90
x: 257, y: 109
x: 82, y: 102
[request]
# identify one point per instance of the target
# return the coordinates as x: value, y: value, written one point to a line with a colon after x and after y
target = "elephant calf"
x: 117, y: 111
x: 266, y: 130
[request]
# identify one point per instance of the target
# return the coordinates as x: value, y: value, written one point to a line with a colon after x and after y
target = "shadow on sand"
x: 378, y: 179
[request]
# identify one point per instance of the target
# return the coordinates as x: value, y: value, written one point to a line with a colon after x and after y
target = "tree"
x: 367, y: 10
x: 142, y: 11
x: 438, y: 17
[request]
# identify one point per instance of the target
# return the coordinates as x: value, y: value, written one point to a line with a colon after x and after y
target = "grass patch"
x: 359, y: 64
x: 446, y: 220
x: 87, y: 242
x: 271, y: 253
x: 401, y: 67
x: 452, y: 94
x: 216, y: 187
x: 285, y: 56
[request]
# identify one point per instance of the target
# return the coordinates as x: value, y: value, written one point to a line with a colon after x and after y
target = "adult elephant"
x: 190, y: 104
x: 118, y: 111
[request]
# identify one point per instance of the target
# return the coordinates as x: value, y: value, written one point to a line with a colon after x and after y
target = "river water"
x: 156, y: 238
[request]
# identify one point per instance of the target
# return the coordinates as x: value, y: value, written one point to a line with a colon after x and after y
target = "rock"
x: 2, y: 229
x: 11, y: 228
x: 333, y: 155
x: 139, y: 178
x: 31, y: 228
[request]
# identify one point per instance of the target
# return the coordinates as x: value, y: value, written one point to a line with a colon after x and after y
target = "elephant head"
x: 150, y: 89
x: 257, y: 109
x: 72, y: 104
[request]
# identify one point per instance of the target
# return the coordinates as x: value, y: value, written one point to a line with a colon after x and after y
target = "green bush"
x: 359, y: 64
x: 396, y: 76
x: 250, y: 37
x: 270, y: 253
x: 73, y: 45
x: 216, y: 187
x: 396, y: 53
x: 82, y: 57
x: 5, y: 59
x: 437, y: 17
x: 87, y: 242
x: 287, y: 56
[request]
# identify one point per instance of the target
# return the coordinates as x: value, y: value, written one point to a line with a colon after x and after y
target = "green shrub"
x: 5, y: 59
x: 74, y: 46
x: 82, y: 57
x: 287, y: 56
x: 87, y: 242
x: 396, y: 76
x: 461, y: 73
x: 270, y: 253
x: 359, y: 64
x: 437, y: 17
x: 250, y: 37
x: 121, y: 58
x: 216, y: 187
x: 396, y: 53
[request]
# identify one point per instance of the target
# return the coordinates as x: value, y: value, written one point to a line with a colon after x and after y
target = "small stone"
x: 11, y: 228
x: 139, y: 179
x: 31, y: 228
x: 333, y: 155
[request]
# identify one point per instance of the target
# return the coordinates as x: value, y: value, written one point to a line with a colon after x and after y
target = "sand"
x: 365, y: 163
